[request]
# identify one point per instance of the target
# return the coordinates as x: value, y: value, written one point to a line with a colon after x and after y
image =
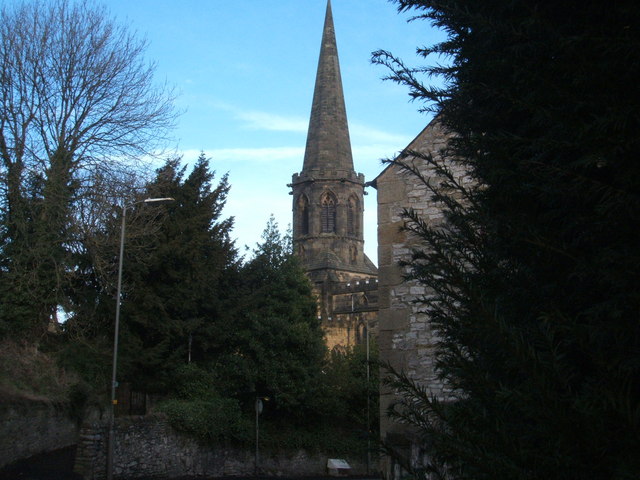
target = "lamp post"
x: 368, y: 401
x: 114, y: 383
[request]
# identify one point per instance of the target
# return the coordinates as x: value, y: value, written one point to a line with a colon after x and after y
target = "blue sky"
x: 245, y: 72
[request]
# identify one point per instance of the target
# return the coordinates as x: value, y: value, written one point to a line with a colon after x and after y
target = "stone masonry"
x: 148, y: 447
x: 328, y: 205
x: 32, y: 427
x: 406, y: 339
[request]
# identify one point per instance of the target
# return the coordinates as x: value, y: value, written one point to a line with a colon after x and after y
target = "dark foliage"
x: 350, y: 388
x: 278, y: 345
x: 173, y: 309
x: 535, y: 273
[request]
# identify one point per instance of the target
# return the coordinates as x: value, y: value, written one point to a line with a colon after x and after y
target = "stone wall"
x: 28, y: 428
x: 145, y: 447
x: 406, y: 339
x: 149, y: 447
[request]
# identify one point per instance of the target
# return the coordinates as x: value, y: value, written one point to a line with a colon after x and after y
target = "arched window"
x: 352, y: 216
x: 328, y: 213
x: 303, y: 215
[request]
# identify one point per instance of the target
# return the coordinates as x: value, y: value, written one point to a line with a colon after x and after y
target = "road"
x: 58, y: 465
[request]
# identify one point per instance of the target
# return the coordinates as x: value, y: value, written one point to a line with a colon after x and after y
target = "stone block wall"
x: 406, y: 339
x: 147, y: 447
x: 28, y: 428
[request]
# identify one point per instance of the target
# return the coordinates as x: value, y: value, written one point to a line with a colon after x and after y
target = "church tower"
x: 328, y: 207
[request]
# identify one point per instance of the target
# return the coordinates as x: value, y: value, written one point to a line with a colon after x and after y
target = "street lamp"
x: 114, y: 382
x: 368, y: 376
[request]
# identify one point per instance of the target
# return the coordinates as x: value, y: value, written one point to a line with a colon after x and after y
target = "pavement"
x: 56, y: 465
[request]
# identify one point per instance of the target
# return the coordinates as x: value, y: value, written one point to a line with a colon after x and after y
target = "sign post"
x: 259, y: 407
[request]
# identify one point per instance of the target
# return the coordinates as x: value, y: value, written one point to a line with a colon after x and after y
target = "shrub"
x: 215, y: 420
x: 191, y: 382
x: 29, y: 373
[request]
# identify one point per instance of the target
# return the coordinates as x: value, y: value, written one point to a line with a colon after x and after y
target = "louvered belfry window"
x: 328, y: 214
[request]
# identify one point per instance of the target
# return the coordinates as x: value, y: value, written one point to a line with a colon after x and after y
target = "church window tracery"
x: 328, y: 213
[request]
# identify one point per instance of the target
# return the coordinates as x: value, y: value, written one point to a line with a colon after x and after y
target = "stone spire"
x: 328, y: 145
x: 328, y: 195
x: 328, y: 205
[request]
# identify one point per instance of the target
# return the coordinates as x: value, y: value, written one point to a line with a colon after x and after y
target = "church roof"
x: 328, y: 260
x: 328, y: 144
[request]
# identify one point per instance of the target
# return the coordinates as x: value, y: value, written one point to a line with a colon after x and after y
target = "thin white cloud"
x: 266, y: 154
x: 190, y: 155
x: 363, y: 153
x: 363, y: 134
x: 267, y: 121
x: 369, y: 144
x: 257, y: 120
x: 272, y: 122
x: 232, y: 155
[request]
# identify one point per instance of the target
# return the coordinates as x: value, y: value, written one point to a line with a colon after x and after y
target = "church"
x: 328, y: 210
x: 355, y: 297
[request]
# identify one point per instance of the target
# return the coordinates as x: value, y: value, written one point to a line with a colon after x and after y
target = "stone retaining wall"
x: 28, y: 428
x: 145, y: 447
x: 149, y: 447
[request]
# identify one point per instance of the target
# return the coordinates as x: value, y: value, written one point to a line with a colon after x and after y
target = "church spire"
x: 328, y: 194
x: 328, y: 144
x: 328, y: 202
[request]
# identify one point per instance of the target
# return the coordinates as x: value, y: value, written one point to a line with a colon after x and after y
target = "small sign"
x: 338, y: 467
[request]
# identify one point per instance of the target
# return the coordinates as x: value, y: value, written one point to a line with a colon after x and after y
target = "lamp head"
x: 155, y: 200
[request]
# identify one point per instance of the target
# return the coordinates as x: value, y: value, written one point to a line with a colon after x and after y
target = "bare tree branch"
x: 79, y: 109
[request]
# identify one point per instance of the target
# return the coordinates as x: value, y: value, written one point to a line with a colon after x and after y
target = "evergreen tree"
x: 535, y: 273
x: 350, y: 384
x: 173, y: 309
x: 278, y: 345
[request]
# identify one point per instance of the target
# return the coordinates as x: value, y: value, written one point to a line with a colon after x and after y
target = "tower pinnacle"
x: 328, y: 144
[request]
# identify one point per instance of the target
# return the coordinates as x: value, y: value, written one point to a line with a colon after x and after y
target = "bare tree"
x: 78, y: 103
